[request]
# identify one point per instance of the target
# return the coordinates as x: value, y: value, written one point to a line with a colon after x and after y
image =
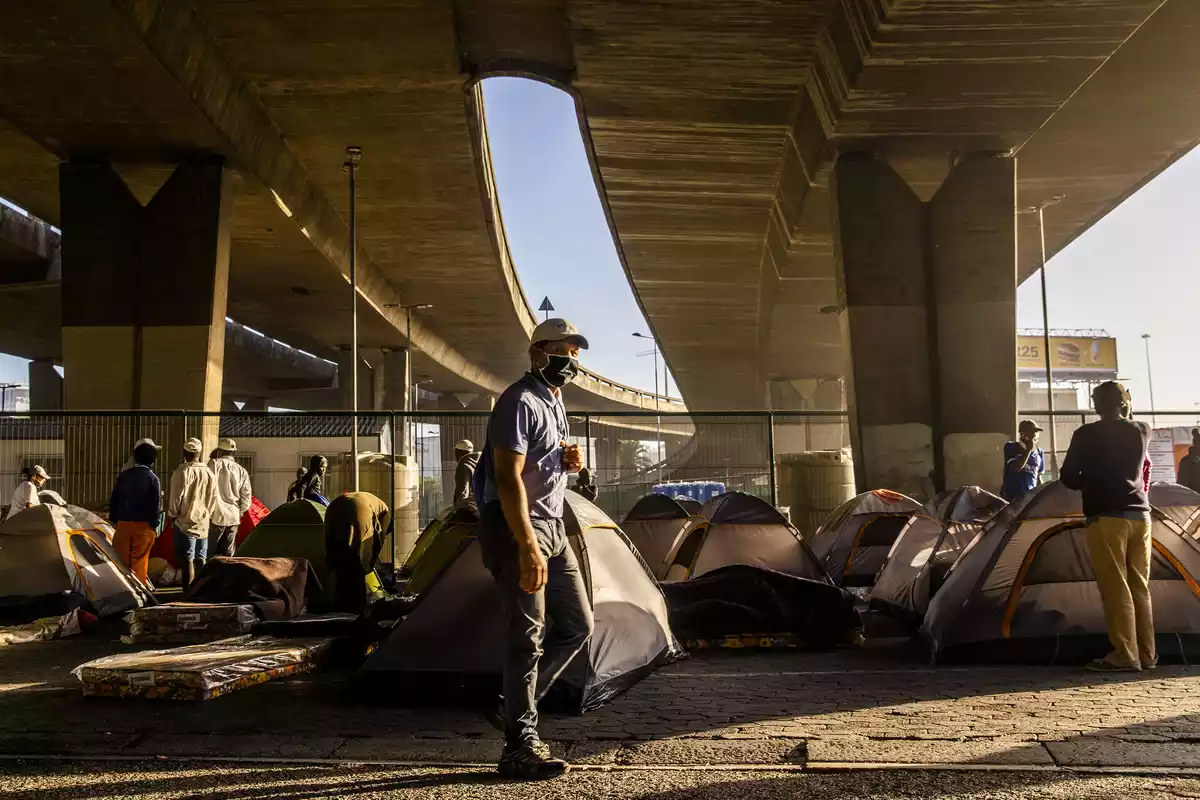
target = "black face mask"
x: 559, y: 371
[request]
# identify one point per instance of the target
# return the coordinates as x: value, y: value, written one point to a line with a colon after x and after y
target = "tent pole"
x: 771, y: 454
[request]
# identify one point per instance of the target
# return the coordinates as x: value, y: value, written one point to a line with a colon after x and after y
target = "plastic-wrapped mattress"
x: 189, y: 623
x: 200, y: 671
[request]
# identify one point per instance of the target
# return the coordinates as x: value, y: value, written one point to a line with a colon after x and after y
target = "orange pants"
x: 132, y: 542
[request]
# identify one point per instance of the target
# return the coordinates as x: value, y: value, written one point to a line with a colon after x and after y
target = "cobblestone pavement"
x: 874, y: 705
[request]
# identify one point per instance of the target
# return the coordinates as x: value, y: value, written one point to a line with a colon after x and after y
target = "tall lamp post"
x: 658, y: 445
x: 1040, y: 210
x: 353, y: 156
x: 1150, y: 380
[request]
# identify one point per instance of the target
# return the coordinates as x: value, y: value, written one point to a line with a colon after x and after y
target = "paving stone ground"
x: 872, y: 705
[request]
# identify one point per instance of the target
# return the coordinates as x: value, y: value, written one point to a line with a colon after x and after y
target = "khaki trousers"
x: 1120, y: 551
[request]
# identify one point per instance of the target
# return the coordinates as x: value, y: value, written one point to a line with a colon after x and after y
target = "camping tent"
x: 438, y: 545
x: 965, y: 504
x: 1180, y: 504
x: 854, y: 542
x: 49, y: 549
x: 653, y: 525
x: 294, y: 530
x: 1024, y: 589
x: 918, y: 564
x: 454, y: 635
x: 738, y: 528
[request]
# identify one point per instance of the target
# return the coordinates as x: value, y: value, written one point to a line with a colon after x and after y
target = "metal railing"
x: 408, y: 459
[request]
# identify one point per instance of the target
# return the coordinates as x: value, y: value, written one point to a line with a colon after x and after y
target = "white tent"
x: 50, y: 549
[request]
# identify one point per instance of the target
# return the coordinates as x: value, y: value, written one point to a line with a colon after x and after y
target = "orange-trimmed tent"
x: 1024, y: 589
x: 854, y: 542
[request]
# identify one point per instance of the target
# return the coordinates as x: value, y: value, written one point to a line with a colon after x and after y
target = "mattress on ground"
x: 200, y: 671
x: 189, y: 623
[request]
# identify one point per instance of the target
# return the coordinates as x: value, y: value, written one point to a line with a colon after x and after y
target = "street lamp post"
x: 353, y: 156
x: 1040, y: 209
x: 658, y: 444
x: 1150, y: 380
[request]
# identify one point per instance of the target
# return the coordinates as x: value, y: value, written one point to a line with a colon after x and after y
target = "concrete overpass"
x: 761, y: 162
x: 119, y: 94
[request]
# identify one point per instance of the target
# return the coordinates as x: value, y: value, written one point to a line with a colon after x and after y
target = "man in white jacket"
x: 233, y: 499
x: 191, y: 500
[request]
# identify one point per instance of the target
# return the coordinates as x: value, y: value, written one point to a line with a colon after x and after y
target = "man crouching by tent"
x: 1107, y: 463
x: 355, y: 525
x: 520, y: 483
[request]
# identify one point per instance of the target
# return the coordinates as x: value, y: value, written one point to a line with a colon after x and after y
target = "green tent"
x: 438, y: 545
x: 294, y: 530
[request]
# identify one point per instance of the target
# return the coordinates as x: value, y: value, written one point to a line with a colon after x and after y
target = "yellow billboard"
x: 1071, y: 357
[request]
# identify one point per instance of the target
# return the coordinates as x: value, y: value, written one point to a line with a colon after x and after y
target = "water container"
x: 814, y: 484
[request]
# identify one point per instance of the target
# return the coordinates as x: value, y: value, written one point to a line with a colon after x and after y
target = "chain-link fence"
x: 797, y: 460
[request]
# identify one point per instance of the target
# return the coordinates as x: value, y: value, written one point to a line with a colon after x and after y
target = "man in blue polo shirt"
x: 521, y: 481
x: 1024, y: 462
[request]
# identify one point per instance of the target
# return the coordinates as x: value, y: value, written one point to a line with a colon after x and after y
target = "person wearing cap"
x: 520, y: 486
x: 1024, y: 462
x: 585, y: 485
x: 191, y: 499
x: 233, y: 499
x: 135, y: 508
x: 26, y: 495
x: 1106, y: 463
x: 465, y: 462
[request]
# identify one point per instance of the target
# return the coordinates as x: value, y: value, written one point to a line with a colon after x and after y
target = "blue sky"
x: 1134, y: 272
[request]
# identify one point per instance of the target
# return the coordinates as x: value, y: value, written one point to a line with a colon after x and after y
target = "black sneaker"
x: 531, y: 762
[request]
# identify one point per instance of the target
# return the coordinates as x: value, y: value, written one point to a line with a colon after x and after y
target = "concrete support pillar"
x: 144, y: 293
x: 394, y: 391
x: 930, y: 318
x: 45, y: 387
x: 345, y: 384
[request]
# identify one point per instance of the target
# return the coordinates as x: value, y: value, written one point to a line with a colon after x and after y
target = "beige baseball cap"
x: 558, y: 330
x: 465, y: 444
x: 228, y: 445
x: 193, y: 445
x: 150, y: 442
x: 40, y: 472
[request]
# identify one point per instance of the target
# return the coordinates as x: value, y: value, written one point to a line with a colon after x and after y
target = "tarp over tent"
x: 965, y: 504
x: 454, y: 635
x: 294, y: 530
x: 49, y: 550
x: 739, y: 528
x: 1024, y: 589
x: 653, y: 525
x: 854, y: 542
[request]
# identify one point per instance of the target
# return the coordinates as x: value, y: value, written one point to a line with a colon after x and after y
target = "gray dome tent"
x: 653, y: 525
x: 1024, y: 589
x: 739, y: 528
x: 917, y: 566
x: 972, y: 504
x: 454, y: 635
x: 854, y: 542
x: 1180, y: 504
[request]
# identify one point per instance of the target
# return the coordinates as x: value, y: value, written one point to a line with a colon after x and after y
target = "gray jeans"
x: 221, y: 540
x: 535, y: 657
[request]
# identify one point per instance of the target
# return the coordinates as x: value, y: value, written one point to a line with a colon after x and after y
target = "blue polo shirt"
x: 1019, y: 483
x: 528, y: 419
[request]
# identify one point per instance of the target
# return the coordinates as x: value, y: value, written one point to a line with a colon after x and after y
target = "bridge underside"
x: 720, y: 136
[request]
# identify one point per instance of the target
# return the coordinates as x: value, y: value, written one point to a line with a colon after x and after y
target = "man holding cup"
x: 521, y: 482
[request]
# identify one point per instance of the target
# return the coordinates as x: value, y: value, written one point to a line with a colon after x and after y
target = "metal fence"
x: 796, y: 459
